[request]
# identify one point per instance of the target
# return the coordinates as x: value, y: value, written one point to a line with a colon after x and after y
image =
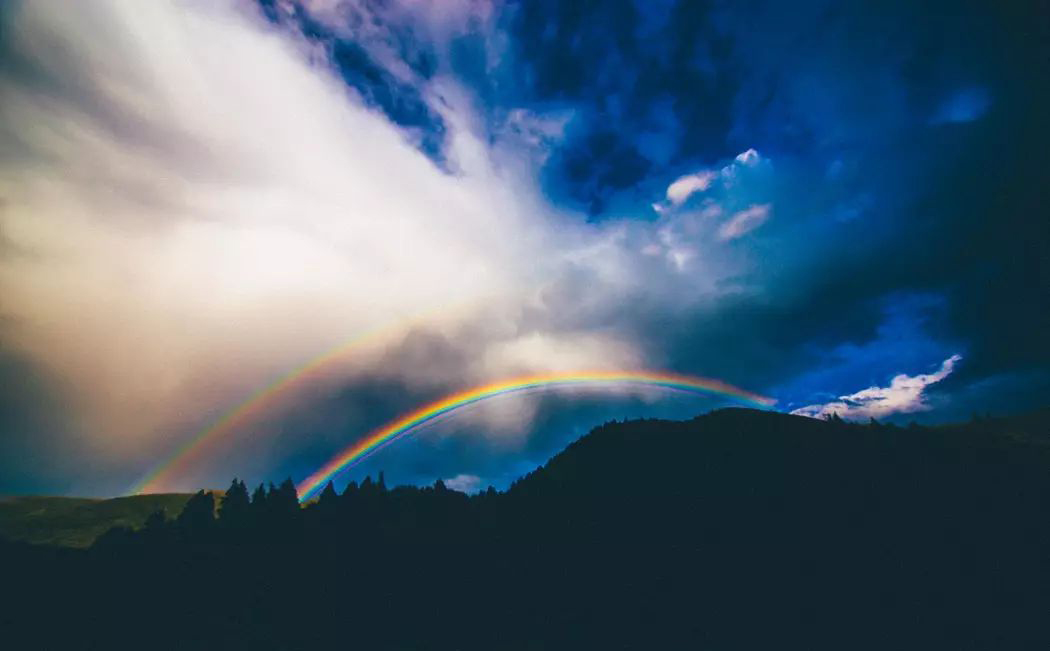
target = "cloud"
x: 749, y: 158
x: 196, y: 198
x: 464, y: 483
x: 686, y: 186
x: 905, y: 395
x: 744, y: 221
x: 187, y: 232
x: 194, y: 229
x: 373, y: 21
x: 725, y: 184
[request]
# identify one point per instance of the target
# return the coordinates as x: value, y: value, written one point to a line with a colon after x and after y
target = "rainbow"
x: 384, y: 436
x: 256, y: 404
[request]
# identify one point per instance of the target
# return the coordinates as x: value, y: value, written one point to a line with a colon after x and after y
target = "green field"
x: 78, y: 521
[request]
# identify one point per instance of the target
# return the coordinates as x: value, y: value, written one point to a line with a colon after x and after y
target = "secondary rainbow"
x: 258, y: 403
x: 384, y: 436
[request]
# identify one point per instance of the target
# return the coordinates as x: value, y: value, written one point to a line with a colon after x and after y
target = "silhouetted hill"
x: 732, y: 448
x: 737, y: 529
x: 78, y: 521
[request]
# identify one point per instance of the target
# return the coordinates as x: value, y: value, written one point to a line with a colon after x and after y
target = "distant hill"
x: 738, y: 449
x: 76, y: 521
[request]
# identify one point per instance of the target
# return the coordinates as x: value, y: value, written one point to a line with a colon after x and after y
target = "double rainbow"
x: 384, y: 436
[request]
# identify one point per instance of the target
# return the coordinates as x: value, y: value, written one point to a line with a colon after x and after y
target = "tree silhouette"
x: 329, y: 497
x: 259, y: 498
x: 284, y: 501
x: 235, y: 506
x: 368, y: 487
x: 198, y: 515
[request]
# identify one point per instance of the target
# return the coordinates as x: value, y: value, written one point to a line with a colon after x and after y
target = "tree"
x: 328, y: 497
x: 367, y: 486
x: 198, y: 515
x: 155, y: 528
x: 233, y: 511
x: 258, y: 508
x: 284, y: 501
x: 259, y: 496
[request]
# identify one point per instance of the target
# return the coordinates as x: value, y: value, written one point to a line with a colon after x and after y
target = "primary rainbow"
x: 380, y: 438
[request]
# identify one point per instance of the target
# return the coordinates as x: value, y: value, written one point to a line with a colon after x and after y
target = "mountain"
x: 736, y: 453
x: 737, y: 529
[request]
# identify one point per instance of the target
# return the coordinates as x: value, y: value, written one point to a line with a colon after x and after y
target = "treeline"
x: 737, y: 529
x: 274, y: 513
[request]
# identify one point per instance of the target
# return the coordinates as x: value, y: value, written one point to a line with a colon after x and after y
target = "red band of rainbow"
x: 380, y: 438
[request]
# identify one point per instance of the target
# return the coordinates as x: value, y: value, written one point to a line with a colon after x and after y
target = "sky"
x: 839, y: 206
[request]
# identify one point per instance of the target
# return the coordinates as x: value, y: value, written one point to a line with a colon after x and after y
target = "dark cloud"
x: 645, y: 79
x: 347, y: 37
x: 953, y: 208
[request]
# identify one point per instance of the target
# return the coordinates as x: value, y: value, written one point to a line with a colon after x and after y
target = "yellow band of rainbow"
x: 380, y: 438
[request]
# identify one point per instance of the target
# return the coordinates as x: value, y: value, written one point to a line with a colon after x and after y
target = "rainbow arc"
x: 408, y: 423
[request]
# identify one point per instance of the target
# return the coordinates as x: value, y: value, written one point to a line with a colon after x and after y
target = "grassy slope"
x: 75, y: 521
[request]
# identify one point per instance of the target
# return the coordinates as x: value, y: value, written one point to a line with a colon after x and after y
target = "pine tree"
x: 284, y: 500
x: 198, y: 515
x: 328, y: 496
x: 367, y: 487
x: 233, y: 511
x: 259, y: 498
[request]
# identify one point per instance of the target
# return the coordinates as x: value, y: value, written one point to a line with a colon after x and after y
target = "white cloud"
x: 744, y: 221
x: 464, y: 483
x: 533, y: 134
x: 711, y: 209
x: 750, y: 158
x: 686, y: 186
x: 905, y: 395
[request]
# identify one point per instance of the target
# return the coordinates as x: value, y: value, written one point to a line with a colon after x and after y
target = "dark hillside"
x: 807, y: 525
x: 77, y: 522
x: 737, y: 529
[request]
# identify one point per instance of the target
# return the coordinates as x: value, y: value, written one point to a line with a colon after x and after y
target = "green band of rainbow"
x: 380, y: 438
